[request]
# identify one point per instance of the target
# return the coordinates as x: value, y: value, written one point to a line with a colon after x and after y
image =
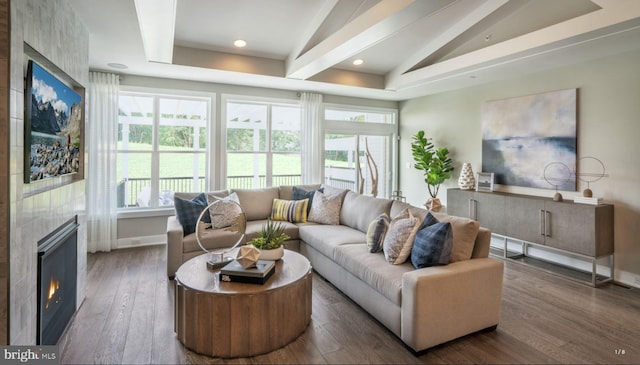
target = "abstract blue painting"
x: 524, y: 135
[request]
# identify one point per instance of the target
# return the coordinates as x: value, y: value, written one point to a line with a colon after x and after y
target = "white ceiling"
x: 410, y: 48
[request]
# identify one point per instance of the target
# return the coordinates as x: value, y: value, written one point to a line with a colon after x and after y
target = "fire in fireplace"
x: 57, y: 281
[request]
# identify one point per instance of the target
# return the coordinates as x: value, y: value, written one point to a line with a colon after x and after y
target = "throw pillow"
x: 188, y: 211
x: 399, y: 239
x: 301, y: 194
x: 376, y: 232
x: 432, y: 244
x: 294, y: 211
x: 225, y: 211
x: 325, y: 209
x: 465, y: 231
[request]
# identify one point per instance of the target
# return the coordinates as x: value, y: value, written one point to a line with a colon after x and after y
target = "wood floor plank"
x: 138, y: 345
x: 165, y: 348
x: 127, y: 317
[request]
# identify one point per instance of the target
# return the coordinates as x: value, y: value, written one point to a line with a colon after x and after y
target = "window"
x: 360, y: 158
x: 161, y: 148
x: 262, y: 144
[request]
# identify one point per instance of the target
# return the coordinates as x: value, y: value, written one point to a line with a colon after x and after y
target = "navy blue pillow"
x: 432, y: 243
x: 301, y: 194
x: 188, y: 211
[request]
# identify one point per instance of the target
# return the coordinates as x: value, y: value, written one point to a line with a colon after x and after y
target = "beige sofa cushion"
x: 254, y: 228
x: 211, y: 239
x: 358, y: 211
x: 257, y: 203
x: 397, y: 208
x: 326, y: 238
x: 373, y: 269
x: 465, y: 231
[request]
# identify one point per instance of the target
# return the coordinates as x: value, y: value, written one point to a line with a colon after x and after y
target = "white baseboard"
x: 628, y: 278
x: 160, y: 239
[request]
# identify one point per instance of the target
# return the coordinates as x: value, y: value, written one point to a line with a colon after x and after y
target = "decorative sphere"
x: 557, y: 197
x: 587, y: 193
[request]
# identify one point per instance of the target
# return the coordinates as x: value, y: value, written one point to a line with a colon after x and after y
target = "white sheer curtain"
x: 312, y: 137
x: 102, y: 127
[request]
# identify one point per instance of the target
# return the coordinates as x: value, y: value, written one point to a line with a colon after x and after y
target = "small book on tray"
x: 585, y: 200
x: 259, y: 274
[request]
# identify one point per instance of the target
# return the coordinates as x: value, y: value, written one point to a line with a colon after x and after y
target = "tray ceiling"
x: 409, y: 48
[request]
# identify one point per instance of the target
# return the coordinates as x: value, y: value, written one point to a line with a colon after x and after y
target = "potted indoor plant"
x: 435, y: 164
x: 270, y: 241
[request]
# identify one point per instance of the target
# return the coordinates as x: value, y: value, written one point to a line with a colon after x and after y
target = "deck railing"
x: 134, y: 192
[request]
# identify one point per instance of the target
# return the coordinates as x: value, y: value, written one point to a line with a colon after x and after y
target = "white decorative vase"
x: 272, y: 255
x: 466, y: 180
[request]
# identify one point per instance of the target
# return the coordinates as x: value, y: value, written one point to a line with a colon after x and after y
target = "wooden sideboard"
x: 580, y: 230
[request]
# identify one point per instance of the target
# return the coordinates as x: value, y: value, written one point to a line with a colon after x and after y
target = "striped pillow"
x: 376, y: 232
x: 294, y: 211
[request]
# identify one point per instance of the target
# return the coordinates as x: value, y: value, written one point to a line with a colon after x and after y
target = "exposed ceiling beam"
x: 573, y: 31
x: 471, y: 17
x: 311, y: 29
x: 157, y: 20
x: 376, y: 24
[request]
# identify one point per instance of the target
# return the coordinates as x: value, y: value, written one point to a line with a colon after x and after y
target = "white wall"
x: 608, y: 128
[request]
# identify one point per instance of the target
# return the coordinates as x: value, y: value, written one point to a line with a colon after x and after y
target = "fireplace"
x: 57, y: 281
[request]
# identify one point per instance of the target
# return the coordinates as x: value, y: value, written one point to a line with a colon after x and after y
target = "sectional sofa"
x: 423, y: 307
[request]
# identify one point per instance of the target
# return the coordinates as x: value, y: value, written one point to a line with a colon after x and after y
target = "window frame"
x: 390, y: 130
x: 210, y: 122
x: 268, y: 152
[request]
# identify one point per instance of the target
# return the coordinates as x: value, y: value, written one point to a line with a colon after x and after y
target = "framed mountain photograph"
x: 54, y: 126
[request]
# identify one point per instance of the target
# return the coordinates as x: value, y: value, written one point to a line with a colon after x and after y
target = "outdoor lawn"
x: 178, y: 166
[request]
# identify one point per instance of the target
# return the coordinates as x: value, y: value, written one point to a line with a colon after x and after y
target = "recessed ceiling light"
x: 119, y: 66
x: 358, y: 62
x: 240, y: 43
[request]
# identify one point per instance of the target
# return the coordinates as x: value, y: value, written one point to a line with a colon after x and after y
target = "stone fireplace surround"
x: 36, y: 209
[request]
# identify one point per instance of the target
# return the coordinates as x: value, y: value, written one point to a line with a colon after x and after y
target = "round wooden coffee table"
x: 225, y: 319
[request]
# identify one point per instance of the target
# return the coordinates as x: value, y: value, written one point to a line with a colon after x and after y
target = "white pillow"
x: 225, y: 211
x: 325, y: 209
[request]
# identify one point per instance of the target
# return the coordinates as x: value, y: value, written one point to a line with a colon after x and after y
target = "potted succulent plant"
x: 435, y: 164
x: 270, y: 241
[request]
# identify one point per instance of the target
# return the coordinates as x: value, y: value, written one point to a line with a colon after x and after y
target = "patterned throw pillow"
x: 301, y: 194
x: 188, y: 211
x: 225, y: 211
x: 294, y: 211
x: 325, y: 209
x: 432, y: 244
x: 399, y: 239
x: 376, y: 232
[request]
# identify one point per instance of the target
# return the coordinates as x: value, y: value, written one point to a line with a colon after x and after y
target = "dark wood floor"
x: 127, y: 317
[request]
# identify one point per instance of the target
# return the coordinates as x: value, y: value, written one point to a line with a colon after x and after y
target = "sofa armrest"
x: 175, y: 234
x: 483, y: 243
x: 443, y: 303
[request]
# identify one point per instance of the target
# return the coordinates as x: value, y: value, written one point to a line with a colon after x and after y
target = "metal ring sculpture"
x: 239, y: 226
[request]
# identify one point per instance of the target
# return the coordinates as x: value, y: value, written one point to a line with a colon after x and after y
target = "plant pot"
x: 433, y: 204
x: 272, y: 255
